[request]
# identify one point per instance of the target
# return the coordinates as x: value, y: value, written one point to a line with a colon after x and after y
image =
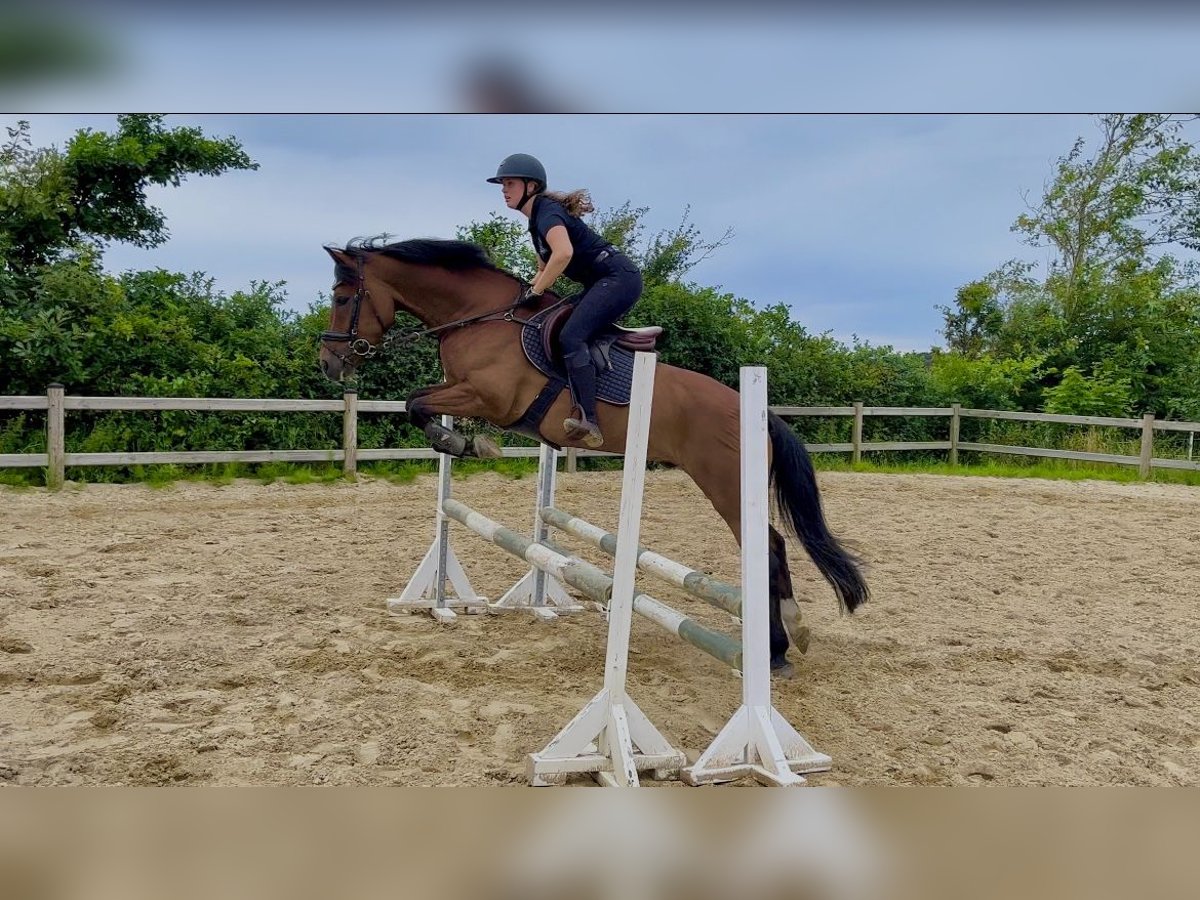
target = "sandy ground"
x: 1021, y: 632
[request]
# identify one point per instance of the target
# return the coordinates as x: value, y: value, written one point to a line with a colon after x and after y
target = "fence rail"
x: 55, y: 403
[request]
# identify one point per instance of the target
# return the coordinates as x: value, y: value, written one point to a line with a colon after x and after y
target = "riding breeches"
x: 600, y: 306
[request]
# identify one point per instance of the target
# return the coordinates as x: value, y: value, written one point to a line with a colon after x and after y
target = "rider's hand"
x: 529, y: 298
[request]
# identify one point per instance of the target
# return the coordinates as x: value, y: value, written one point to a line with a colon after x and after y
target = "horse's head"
x: 363, y: 310
x: 442, y: 283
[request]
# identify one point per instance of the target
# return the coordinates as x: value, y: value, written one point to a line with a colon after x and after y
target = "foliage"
x: 983, y: 382
x: 1101, y: 394
x: 1114, y: 322
x: 94, y: 191
x: 1140, y: 189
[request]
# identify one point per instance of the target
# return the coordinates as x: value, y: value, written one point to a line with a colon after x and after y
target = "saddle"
x: 601, y: 346
x: 612, y: 351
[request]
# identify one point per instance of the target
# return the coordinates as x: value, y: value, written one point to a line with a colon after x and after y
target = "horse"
x: 470, y: 306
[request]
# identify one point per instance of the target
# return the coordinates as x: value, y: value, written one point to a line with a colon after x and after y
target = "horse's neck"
x: 438, y: 297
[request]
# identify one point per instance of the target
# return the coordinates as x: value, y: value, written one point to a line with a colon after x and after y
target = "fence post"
x: 572, y: 458
x: 350, y: 431
x: 1147, y: 444
x: 55, y: 452
x: 856, y: 437
x: 955, y: 422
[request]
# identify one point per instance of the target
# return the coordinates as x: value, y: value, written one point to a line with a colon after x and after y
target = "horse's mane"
x: 456, y: 256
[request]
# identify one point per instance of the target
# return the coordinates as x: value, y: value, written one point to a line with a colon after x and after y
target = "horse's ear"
x: 341, y: 257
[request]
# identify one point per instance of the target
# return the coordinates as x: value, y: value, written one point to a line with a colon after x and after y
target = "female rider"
x: 566, y: 245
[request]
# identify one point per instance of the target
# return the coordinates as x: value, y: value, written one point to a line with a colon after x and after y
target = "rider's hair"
x: 577, y: 202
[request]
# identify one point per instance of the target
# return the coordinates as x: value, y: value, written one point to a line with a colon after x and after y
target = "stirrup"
x: 581, y: 429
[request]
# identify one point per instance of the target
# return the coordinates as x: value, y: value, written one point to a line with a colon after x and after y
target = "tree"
x: 506, y: 242
x: 54, y: 201
x: 1139, y: 190
x: 1101, y: 394
x: 668, y: 255
x: 984, y: 382
x: 1115, y: 320
x: 57, y: 211
x: 975, y: 323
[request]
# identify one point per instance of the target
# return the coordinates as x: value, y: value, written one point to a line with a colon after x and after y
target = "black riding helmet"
x: 523, y: 166
x: 520, y: 165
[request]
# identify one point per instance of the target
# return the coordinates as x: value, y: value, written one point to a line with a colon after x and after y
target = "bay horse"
x: 469, y: 305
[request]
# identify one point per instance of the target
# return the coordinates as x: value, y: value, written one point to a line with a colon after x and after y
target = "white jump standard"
x: 757, y: 741
x: 427, y: 588
x: 542, y: 595
x: 611, y: 736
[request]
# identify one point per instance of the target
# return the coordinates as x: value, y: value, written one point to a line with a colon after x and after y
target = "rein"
x: 364, y: 349
x: 503, y: 314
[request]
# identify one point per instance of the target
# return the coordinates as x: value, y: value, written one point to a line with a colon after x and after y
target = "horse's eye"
x: 341, y: 301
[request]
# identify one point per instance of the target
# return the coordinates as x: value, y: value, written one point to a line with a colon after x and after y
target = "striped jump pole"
x: 594, y: 583
x: 575, y: 572
x: 704, y: 587
x: 757, y: 740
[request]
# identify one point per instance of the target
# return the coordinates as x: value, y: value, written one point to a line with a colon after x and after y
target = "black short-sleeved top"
x: 546, y: 214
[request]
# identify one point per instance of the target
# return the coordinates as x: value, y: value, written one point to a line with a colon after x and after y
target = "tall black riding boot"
x: 583, y: 386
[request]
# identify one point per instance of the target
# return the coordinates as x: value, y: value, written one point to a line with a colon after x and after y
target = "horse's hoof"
x: 789, y: 612
x: 485, y: 448
x: 782, y: 668
x: 443, y: 440
x: 801, y: 638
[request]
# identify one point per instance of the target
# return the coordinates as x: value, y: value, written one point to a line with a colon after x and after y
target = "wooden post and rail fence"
x: 56, y: 459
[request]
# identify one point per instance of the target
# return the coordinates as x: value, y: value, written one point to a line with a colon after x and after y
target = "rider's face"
x: 513, y: 189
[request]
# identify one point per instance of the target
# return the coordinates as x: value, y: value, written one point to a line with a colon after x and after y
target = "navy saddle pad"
x: 612, y: 385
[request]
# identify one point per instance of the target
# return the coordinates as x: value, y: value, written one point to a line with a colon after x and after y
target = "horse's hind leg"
x: 710, y: 469
x: 779, y: 587
x: 785, y: 612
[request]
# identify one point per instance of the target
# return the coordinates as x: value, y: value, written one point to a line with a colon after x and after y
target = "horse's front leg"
x: 458, y: 399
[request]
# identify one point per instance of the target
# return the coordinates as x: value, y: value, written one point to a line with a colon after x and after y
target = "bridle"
x: 361, y: 348
x: 358, y: 347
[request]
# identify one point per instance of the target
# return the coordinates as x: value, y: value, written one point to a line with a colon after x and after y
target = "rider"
x: 566, y: 245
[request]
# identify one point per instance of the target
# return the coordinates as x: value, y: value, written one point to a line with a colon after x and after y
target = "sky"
x: 867, y: 166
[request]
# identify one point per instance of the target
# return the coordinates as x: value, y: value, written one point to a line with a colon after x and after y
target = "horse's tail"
x: 799, y: 503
